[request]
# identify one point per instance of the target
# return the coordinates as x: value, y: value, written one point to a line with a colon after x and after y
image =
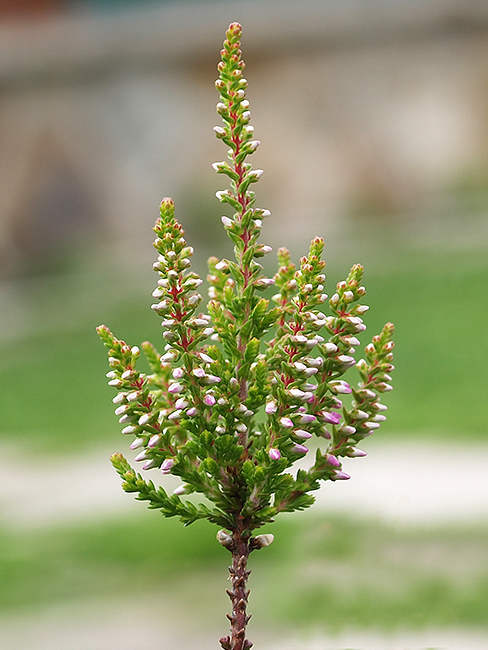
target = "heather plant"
x: 242, y: 387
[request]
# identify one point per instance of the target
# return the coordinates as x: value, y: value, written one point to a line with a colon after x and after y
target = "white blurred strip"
x: 402, y: 483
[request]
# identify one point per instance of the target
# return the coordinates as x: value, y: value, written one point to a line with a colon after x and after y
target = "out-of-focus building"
x: 105, y: 107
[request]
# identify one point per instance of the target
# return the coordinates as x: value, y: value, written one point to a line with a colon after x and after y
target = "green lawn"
x: 55, y: 394
x: 321, y: 572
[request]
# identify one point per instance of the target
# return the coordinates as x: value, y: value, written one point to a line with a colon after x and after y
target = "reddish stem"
x: 239, y: 594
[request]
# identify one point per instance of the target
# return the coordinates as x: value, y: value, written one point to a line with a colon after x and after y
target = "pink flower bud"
x: 271, y: 407
x: 300, y: 449
x: 175, y: 388
x: 302, y: 434
x: 332, y: 460
x: 357, y: 453
x: 331, y: 418
x: 340, y: 387
x: 274, y: 454
x: 181, y: 403
x: 307, y: 418
x: 209, y: 400
x: 286, y: 422
x: 345, y: 360
x: 340, y: 476
x: 296, y: 392
x: 205, y: 358
x: 167, y: 465
x: 211, y: 379
x: 141, y: 456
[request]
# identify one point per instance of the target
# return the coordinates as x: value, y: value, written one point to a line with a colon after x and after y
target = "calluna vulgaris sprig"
x: 242, y: 387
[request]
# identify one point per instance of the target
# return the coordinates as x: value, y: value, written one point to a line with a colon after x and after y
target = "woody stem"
x: 239, y: 593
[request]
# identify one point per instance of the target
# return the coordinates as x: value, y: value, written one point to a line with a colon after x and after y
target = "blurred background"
x: 373, y: 118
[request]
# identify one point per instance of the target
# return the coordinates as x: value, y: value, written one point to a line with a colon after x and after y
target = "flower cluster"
x: 246, y: 386
x: 225, y: 408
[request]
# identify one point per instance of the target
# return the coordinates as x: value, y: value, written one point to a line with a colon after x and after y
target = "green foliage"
x: 226, y: 408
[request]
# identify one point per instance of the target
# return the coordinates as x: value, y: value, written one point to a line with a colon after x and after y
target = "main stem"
x: 238, y: 596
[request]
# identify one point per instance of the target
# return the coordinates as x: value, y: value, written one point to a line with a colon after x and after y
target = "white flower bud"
x: 296, y: 392
x: 154, y: 441
x: 361, y: 415
x: 144, y: 419
x: 261, y: 541
x: 372, y: 425
x: 121, y: 410
x: 361, y: 309
x: 224, y: 538
x: 141, y: 456
x: 130, y: 429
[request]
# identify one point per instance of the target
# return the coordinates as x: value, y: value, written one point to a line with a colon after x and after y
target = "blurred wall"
x: 371, y: 107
